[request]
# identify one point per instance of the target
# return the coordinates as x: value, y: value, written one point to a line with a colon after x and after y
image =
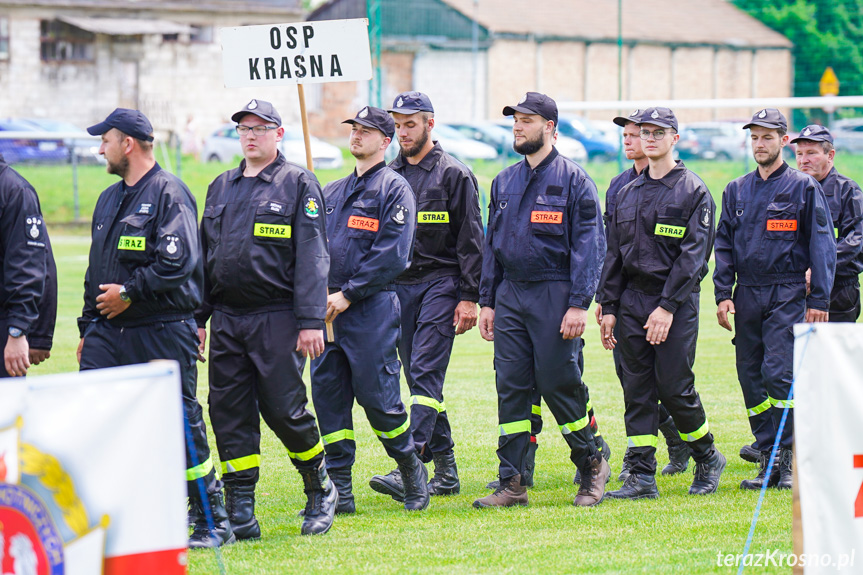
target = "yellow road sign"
x: 829, y: 84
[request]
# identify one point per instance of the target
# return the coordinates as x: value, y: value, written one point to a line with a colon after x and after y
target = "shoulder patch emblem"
x: 310, y: 207
x: 705, y: 216
x: 400, y: 214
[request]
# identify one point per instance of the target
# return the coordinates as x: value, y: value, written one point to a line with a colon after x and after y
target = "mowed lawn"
x: 676, y: 533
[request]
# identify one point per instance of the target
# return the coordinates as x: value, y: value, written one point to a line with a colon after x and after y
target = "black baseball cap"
x: 814, y: 133
x: 131, y: 122
x: 376, y: 118
x: 411, y: 103
x: 768, y: 118
x: 662, y: 117
x: 635, y: 116
x: 534, y: 103
x: 263, y: 110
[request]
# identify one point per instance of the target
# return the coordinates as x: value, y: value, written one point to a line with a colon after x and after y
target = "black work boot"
x: 627, y: 465
x: 415, y: 479
x: 603, y: 448
x: 750, y: 454
x: 707, y: 474
x: 593, y: 480
x: 341, y: 478
x: 240, y: 502
x: 323, y: 498
x: 678, y: 450
x: 389, y: 484
x: 192, y: 513
x: 529, y: 465
x: 508, y: 493
x: 636, y: 486
x: 758, y: 482
x: 786, y: 471
x: 201, y: 537
x: 445, y: 480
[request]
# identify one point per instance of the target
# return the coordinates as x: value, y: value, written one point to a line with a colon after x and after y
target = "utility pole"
x: 373, y: 12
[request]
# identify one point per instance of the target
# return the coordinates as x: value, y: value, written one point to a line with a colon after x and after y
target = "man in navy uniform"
x: 775, y: 225
x: 541, y: 264
x: 438, y: 293
x: 265, y: 272
x: 142, y: 286
x: 659, y: 243
x: 371, y: 221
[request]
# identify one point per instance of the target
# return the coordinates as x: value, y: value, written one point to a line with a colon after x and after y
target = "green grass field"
x: 676, y: 533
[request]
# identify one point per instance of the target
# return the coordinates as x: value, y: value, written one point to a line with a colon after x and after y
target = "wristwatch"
x: 123, y: 295
x: 15, y: 332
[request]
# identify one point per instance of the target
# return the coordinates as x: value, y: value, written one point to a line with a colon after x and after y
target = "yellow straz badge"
x: 272, y: 231
x: 433, y: 217
x: 132, y: 243
x: 670, y: 231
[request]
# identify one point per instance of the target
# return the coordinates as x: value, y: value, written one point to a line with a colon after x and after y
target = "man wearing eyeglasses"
x: 265, y: 280
x: 659, y: 242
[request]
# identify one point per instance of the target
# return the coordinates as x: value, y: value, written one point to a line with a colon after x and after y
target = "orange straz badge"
x: 546, y: 217
x: 781, y: 225
x: 361, y: 223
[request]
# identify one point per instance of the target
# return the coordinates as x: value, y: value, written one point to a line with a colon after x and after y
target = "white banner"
x: 299, y: 53
x: 101, y: 462
x: 828, y: 421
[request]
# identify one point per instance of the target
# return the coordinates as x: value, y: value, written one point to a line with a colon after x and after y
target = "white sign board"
x: 828, y: 434
x: 301, y: 53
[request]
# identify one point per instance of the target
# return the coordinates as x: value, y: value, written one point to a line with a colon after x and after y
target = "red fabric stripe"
x: 169, y: 562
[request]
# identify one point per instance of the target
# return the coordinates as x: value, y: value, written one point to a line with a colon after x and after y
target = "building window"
x: 4, y: 38
x: 201, y: 34
x: 63, y: 42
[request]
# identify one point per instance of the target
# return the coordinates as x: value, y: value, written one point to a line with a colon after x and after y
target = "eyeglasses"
x: 656, y: 134
x: 256, y: 130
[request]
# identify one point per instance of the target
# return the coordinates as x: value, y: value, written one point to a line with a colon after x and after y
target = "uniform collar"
x: 428, y: 162
x: 266, y: 174
x: 779, y: 171
x: 669, y: 179
x: 143, y: 181
x: 546, y: 161
x: 370, y: 171
x: 830, y: 175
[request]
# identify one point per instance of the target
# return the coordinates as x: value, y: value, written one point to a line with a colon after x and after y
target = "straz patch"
x: 361, y: 223
x: 433, y: 217
x: 272, y: 230
x: 310, y: 207
x: 781, y: 225
x: 132, y: 243
x: 542, y: 217
x: 669, y: 231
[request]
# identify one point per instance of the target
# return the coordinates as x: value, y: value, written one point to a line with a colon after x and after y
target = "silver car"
x: 223, y: 145
x: 848, y: 135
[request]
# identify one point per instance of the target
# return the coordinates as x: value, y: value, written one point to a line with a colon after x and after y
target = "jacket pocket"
x: 782, y: 222
x: 133, y: 243
x: 272, y: 226
x: 211, y: 222
x: 364, y: 221
x: 626, y: 224
x: 548, y: 215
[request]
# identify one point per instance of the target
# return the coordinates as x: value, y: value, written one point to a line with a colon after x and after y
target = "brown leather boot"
x: 509, y: 493
x: 593, y: 480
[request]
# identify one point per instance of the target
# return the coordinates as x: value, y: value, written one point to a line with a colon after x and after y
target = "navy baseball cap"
x: 411, y: 103
x: 662, y: 117
x: 131, y: 122
x: 263, y: 110
x: 376, y: 118
x: 814, y: 133
x: 534, y: 103
x: 635, y: 116
x: 768, y: 118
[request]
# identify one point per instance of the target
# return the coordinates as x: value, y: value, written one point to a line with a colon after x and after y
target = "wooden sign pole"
x: 329, y: 336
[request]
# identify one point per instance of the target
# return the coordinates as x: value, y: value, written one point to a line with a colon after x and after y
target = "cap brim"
x: 659, y: 123
x: 405, y: 111
x: 622, y: 122
x: 367, y: 124
x: 511, y: 110
x: 771, y: 125
x: 810, y: 139
x: 239, y: 116
x: 99, y: 129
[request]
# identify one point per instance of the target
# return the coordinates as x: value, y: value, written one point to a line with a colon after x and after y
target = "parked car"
x: 569, y: 148
x: 721, y: 140
x: 848, y: 135
x: 489, y: 133
x: 462, y: 147
x: 690, y: 147
x: 597, y: 144
x: 86, y: 148
x: 29, y: 150
x: 223, y: 145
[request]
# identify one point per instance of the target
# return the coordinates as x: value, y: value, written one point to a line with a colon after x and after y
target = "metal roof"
x: 125, y: 26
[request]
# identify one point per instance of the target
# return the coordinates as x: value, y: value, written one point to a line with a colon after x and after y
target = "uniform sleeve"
x: 849, y: 247
x: 205, y: 309
x: 818, y: 229
x: 695, y: 247
x: 23, y: 239
x: 391, y: 251
x: 613, y: 281
x: 724, y: 274
x: 464, y: 207
x: 586, y: 242
x: 492, y: 272
x: 42, y: 333
x: 177, y: 252
x: 312, y: 257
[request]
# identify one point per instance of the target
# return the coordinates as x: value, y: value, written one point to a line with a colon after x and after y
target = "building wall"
x: 454, y: 83
x: 512, y: 71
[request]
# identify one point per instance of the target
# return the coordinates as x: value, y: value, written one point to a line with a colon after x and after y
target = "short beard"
x: 417, y: 147
x: 120, y: 168
x: 529, y: 146
x: 770, y: 159
x: 359, y: 155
